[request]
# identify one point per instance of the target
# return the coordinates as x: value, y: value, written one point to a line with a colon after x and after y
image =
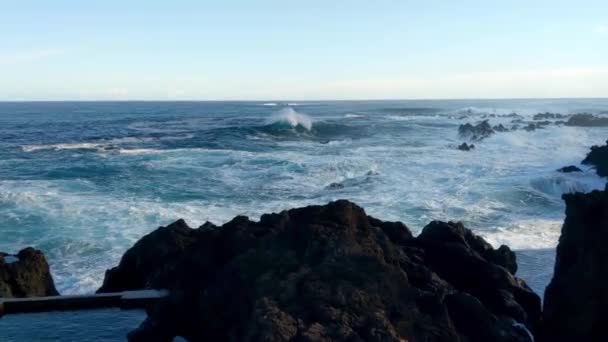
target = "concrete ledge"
x: 124, y: 300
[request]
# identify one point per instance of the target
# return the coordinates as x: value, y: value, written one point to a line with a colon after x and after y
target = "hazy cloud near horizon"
x: 313, y: 50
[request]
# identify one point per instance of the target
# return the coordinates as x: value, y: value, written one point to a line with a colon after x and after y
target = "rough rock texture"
x: 587, y: 120
x: 500, y: 128
x: 476, y: 132
x: 327, y: 273
x: 547, y: 115
x: 25, y: 275
x: 598, y: 157
x: 466, y: 147
x: 576, y: 300
x: 569, y: 169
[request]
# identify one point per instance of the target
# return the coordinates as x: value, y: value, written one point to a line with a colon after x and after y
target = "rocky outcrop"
x: 576, y: 300
x: 476, y: 132
x: 587, y: 120
x: 598, y: 157
x: 500, y: 128
x: 466, y: 147
x: 547, y: 115
x: 25, y: 274
x: 569, y: 169
x: 327, y: 273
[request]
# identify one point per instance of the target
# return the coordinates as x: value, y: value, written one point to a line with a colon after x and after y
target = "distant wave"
x: 269, y: 104
x: 57, y: 147
x: 291, y: 117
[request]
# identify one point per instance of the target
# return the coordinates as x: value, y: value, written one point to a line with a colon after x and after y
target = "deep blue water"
x: 84, y: 180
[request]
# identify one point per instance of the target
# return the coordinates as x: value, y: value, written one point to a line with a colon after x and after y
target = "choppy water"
x: 83, y: 181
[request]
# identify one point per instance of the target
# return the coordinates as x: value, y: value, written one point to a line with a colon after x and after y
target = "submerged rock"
x: 25, y: 274
x: 466, y: 147
x: 569, y: 169
x: 476, y: 132
x: 598, y: 157
x: 576, y: 300
x: 327, y: 273
x: 587, y: 120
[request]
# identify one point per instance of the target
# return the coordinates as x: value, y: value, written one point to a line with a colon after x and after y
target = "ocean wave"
x: 58, y: 147
x: 269, y: 104
x: 351, y: 116
x: 141, y: 151
x: 292, y: 118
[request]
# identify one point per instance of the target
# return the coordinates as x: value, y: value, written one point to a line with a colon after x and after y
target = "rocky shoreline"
x: 334, y: 273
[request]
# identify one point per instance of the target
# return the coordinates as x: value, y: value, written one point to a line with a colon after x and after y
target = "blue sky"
x: 259, y: 50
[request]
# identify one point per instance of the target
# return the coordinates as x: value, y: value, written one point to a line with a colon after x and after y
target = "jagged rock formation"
x: 476, y: 132
x: 547, y: 115
x: 598, y: 157
x: 576, y: 300
x: 466, y: 147
x: 587, y: 120
x: 25, y: 275
x: 327, y: 273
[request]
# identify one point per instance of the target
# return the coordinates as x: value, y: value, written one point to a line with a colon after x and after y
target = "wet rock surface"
x: 569, y: 169
x: 476, y: 132
x: 327, y: 273
x: 576, y: 300
x: 598, y: 158
x: 25, y: 274
x: 466, y: 147
x: 587, y: 120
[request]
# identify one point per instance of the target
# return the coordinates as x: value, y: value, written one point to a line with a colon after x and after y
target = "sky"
x: 302, y: 50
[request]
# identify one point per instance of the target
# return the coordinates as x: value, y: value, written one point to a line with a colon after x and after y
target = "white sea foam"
x: 293, y: 118
x: 354, y: 115
x: 270, y: 104
x: 141, y: 151
x: 58, y: 147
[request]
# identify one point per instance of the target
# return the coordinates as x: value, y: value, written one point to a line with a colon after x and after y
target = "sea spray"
x: 291, y: 117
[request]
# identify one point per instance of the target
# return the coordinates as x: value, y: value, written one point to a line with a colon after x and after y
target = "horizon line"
x: 308, y: 100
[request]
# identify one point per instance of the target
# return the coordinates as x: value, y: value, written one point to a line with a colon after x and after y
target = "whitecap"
x: 354, y: 116
x: 291, y: 117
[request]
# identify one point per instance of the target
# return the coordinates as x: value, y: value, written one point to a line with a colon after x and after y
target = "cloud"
x: 602, y: 29
x: 28, y: 56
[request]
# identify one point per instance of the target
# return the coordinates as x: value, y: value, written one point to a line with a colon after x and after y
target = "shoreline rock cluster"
x: 324, y: 273
x: 334, y: 273
x: 483, y: 129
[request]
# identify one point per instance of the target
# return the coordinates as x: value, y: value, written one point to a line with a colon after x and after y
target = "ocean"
x: 83, y: 181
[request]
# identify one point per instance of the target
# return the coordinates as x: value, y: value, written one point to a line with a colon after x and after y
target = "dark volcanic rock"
x: 329, y: 273
x: 547, y: 115
x: 569, y: 169
x: 587, y: 120
x: 576, y: 300
x: 476, y: 132
x: 598, y: 157
x: 466, y: 147
x: 500, y: 128
x: 25, y: 275
x: 335, y: 186
x: 531, y: 127
x: 153, y: 261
